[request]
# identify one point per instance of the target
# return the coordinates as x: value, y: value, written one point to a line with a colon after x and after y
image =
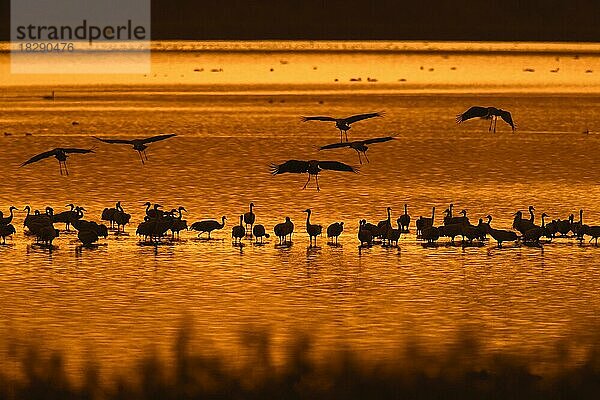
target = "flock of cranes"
x: 311, y: 167
x: 62, y: 153
x: 157, y: 223
x: 159, y: 226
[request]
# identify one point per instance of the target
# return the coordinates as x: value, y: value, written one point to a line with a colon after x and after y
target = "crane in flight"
x: 139, y: 145
x: 343, y: 124
x: 61, y: 154
x: 359, y: 145
x: 491, y: 113
x: 312, y: 167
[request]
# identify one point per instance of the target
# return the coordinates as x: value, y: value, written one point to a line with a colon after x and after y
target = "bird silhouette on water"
x: 312, y: 167
x: 207, y: 226
x: 343, y: 124
x: 313, y: 230
x: 491, y: 113
x: 360, y: 146
x: 334, y: 231
x: 7, y: 220
x: 238, y: 232
x: 61, y: 154
x: 139, y: 145
x: 249, y: 218
x: 283, y: 229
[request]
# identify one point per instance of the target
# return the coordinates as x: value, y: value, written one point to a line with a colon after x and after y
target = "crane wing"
x: 360, y: 117
x: 157, y: 138
x: 114, y: 141
x: 304, y: 119
x: 39, y: 157
x: 293, y: 166
x: 337, y: 166
x: 473, y: 112
x: 378, y: 140
x: 505, y: 115
x: 335, y: 145
x: 76, y: 150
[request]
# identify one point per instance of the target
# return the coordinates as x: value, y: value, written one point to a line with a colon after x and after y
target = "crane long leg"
x: 341, y: 137
x: 317, y: 181
x: 66, y: 169
x: 307, y: 182
x: 491, y: 122
x: 141, y: 158
x: 495, y: 120
x: 145, y: 155
x: 346, y: 133
x: 365, y: 154
x: 60, y: 167
x: 359, y: 159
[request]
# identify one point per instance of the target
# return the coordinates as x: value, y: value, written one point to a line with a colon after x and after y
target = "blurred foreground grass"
x: 463, y: 372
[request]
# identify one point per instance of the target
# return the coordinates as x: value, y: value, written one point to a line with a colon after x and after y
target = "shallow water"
x: 119, y: 299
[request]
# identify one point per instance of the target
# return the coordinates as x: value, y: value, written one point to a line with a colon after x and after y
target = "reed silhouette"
x: 462, y: 370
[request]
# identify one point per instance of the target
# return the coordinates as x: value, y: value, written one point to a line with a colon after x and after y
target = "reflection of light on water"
x: 365, y: 66
x: 218, y: 164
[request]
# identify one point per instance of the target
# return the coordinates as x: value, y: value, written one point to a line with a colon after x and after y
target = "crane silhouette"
x: 61, y: 154
x: 359, y: 145
x: 139, y: 145
x: 491, y: 113
x: 343, y: 124
x: 312, y: 167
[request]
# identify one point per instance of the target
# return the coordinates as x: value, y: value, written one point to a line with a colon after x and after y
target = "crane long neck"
x: 389, y: 215
x: 222, y: 222
x: 308, y: 218
x: 405, y: 209
x: 432, y: 215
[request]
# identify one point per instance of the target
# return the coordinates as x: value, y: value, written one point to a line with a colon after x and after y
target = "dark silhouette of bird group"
x: 313, y: 167
x: 156, y: 225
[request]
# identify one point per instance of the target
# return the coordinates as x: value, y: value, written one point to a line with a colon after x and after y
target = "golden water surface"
x: 115, y: 302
